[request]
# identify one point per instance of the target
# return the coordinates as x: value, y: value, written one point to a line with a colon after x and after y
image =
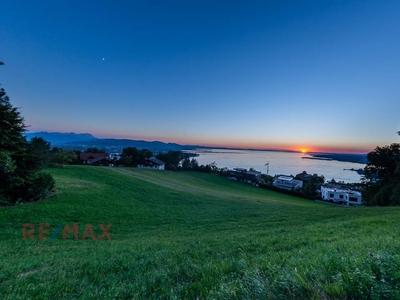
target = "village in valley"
x: 310, y: 186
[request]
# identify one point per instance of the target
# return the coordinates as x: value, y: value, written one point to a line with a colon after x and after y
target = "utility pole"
x: 267, y: 164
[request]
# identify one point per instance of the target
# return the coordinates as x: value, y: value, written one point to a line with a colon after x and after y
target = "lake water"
x: 286, y: 163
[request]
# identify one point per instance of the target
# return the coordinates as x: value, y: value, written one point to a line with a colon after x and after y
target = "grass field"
x: 184, y: 235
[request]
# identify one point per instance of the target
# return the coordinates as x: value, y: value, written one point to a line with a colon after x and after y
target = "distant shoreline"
x: 318, y: 158
x: 343, y: 157
x: 353, y: 158
x: 333, y: 156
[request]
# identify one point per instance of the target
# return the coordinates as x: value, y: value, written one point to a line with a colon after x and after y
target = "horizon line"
x: 303, y: 150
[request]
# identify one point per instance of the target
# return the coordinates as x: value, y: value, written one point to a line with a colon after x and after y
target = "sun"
x: 303, y: 150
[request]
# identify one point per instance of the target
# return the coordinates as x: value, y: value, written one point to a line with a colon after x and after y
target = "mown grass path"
x: 207, y: 184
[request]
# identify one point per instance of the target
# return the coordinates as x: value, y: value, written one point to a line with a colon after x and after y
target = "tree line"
x: 382, y: 176
x: 174, y: 160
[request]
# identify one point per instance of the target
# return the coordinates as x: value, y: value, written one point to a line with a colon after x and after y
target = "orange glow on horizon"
x: 249, y: 145
x: 228, y: 143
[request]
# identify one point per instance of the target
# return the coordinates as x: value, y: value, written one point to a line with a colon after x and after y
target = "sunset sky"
x: 315, y: 75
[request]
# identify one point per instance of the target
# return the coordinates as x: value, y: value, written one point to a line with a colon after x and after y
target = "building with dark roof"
x: 102, y: 159
x: 304, y: 176
x: 152, y: 163
x: 244, y: 175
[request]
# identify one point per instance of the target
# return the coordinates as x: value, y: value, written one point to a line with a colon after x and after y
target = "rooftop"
x: 341, y: 190
x: 285, y: 178
x: 156, y: 161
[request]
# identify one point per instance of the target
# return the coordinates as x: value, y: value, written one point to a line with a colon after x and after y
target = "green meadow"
x: 188, y: 235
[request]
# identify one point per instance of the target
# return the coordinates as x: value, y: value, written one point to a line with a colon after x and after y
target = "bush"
x: 33, y: 188
x: 39, y: 186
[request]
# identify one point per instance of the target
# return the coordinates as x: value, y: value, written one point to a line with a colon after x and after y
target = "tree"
x: 129, y: 157
x: 11, y: 127
x: 189, y: 164
x: 382, y: 163
x: 20, y: 176
x: 77, y: 153
x: 132, y: 157
x: 382, y: 176
x: 143, y: 155
x: 94, y: 150
x: 61, y: 157
x: 114, y: 158
x: 214, y: 168
x: 194, y: 165
x: 309, y: 190
x: 39, y: 153
x: 185, y: 163
x: 171, y: 159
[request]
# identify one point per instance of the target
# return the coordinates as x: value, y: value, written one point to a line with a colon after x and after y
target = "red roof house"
x: 95, y: 158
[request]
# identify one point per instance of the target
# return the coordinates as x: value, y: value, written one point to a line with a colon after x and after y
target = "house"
x: 101, y: 159
x: 152, y: 163
x: 304, y: 176
x: 244, y: 175
x: 287, y: 182
x: 336, y: 194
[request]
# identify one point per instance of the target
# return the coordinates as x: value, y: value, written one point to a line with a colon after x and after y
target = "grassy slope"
x: 187, y: 235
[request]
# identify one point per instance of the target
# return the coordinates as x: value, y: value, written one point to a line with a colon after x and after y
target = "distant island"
x: 318, y: 158
x: 359, y: 171
x: 353, y: 158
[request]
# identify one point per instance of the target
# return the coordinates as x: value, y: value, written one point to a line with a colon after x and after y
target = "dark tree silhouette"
x: 382, y: 174
x: 20, y: 161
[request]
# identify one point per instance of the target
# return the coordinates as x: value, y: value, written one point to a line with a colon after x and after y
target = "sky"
x: 312, y: 75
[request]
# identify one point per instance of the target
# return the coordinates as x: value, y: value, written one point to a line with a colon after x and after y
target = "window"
x: 331, y: 195
x: 353, y: 199
x: 341, y: 196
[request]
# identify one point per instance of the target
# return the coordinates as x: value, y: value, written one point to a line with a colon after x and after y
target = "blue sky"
x: 320, y: 75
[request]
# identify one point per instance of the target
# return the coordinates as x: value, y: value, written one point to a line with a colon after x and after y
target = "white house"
x: 152, y: 163
x: 337, y: 195
x: 287, y: 183
x: 244, y: 175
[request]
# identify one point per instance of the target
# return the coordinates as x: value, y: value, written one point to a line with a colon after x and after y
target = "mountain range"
x: 82, y: 141
x: 59, y: 138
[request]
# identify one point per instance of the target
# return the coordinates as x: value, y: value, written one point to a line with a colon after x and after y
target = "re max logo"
x: 29, y: 231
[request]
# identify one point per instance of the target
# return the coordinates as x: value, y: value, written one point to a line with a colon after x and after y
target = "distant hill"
x: 82, y: 141
x: 58, y: 138
x: 116, y: 145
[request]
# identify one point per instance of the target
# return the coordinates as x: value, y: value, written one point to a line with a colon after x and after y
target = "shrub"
x: 39, y: 186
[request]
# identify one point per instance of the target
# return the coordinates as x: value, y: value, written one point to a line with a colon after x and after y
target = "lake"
x: 285, y: 163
